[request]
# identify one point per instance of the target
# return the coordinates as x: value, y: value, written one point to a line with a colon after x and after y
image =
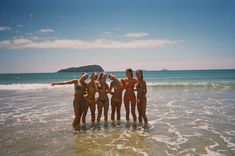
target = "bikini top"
x: 92, y: 87
x: 139, y: 86
x: 117, y: 86
x: 129, y: 85
x: 78, y: 87
x: 102, y: 86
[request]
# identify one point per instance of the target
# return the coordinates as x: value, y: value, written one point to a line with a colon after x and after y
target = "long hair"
x: 93, y: 75
x: 141, y: 73
x: 111, y: 75
x: 82, y: 74
x: 101, y: 75
x: 130, y: 70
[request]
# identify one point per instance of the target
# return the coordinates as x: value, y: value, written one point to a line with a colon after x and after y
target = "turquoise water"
x: 216, y: 78
x: 190, y: 113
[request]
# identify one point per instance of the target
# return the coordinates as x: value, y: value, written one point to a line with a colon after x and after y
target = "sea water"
x: 189, y: 112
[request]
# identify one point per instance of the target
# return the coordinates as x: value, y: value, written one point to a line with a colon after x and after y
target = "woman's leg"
x: 126, y: 102
x: 133, y: 105
x: 99, y: 106
x: 84, y: 114
x: 139, y: 110
x: 113, y: 104
x: 119, y: 104
x: 76, y: 113
x: 81, y: 109
x: 92, y: 108
x: 144, y: 104
x: 106, y: 108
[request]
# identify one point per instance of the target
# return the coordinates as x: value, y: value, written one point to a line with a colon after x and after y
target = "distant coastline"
x: 145, y: 70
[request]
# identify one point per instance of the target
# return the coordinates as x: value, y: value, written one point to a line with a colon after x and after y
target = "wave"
x: 31, y: 86
x: 225, y: 85
x: 38, y: 86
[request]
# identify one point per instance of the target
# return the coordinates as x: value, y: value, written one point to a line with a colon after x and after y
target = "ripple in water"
x: 182, y: 121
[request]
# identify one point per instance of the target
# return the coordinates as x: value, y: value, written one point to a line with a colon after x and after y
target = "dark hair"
x: 93, y: 75
x: 141, y: 73
x: 111, y: 75
x: 83, y: 73
x: 101, y: 75
x: 130, y: 70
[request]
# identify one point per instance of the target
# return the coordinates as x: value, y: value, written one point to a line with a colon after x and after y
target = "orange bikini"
x: 131, y: 86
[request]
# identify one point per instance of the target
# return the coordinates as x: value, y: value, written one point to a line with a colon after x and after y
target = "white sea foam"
x: 50, y: 116
x: 215, y: 100
x: 232, y: 133
x: 198, y: 123
x: 188, y: 111
x: 169, y: 104
x: 207, y: 111
x: 228, y: 141
x: 180, y: 138
x: 225, y: 85
x: 212, y: 153
x: 31, y: 86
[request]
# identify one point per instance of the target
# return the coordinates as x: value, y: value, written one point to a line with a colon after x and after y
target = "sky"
x: 49, y: 35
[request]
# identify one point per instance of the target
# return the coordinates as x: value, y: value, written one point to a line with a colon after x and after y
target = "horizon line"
x: 145, y: 70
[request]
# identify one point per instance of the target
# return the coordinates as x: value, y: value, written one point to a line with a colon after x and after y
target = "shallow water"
x: 193, y: 121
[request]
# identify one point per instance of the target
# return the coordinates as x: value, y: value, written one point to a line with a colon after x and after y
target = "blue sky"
x: 47, y: 35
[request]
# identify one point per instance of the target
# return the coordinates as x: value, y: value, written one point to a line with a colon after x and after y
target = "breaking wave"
x: 44, y: 86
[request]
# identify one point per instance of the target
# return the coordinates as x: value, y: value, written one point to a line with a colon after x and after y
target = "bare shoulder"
x: 111, y: 84
x: 107, y: 85
x: 123, y: 80
x: 88, y: 83
x: 84, y: 83
x: 135, y: 80
x: 144, y: 82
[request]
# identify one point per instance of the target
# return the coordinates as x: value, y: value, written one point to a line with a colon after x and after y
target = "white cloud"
x: 108, y: 33
x: 82, y: 44
x: 46, y: 30
x: 4, y: 28
x: 136, y: 34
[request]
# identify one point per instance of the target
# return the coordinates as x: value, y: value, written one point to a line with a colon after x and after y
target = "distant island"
x: 88, y: 68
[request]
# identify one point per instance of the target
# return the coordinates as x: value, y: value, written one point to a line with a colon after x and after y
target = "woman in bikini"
x: 90, y: 99
x: 141, y: 96
x: 103, y: 99
x: 79, y: 101
x: 116, y: 99
x: 129, y: 96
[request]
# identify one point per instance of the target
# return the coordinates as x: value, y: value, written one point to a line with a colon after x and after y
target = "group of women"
x: 84, y: 97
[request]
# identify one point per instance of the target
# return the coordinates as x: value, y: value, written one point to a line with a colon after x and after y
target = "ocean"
x: 190, y: 112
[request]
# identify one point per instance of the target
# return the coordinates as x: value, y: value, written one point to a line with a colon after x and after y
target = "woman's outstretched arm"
x: 64, y: 82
